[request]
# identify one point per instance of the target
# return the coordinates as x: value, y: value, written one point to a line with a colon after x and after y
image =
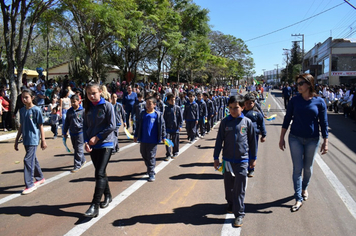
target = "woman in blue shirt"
x: 308, y: 113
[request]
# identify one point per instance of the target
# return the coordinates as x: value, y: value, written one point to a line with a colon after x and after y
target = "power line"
x: 295, y: 23
x: 350, y: 4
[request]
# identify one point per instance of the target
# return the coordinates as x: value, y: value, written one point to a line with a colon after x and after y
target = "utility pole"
x: 300, y: 35
x: 287, y: 54
x: 277, y: 71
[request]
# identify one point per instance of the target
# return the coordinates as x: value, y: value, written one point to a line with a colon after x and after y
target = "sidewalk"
x: 12, y: 134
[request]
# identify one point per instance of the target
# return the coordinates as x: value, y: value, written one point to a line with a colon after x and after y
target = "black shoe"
x: 107, y: 200
x: 251, y: 173
x: 93, y: 211
x: 238, y: 222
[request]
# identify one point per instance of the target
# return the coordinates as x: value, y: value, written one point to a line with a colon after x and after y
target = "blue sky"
x: 250, y: 19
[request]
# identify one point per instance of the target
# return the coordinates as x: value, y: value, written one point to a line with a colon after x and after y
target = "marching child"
x: 237, y: 138
x: 139, y: 105
x: 74, y: 122
x: 151, y: 129
x: 173, y: 118
x: 191, y: 117
x: 54, y: 118
x: 250, y: 111
x: 120, y: 115
x: 31, y: 129
x: 211, y: 111
x: 203, y: 113
x: 98, y: 129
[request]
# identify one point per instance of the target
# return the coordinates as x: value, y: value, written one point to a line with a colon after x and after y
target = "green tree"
x: 238, y: 58
x: 19, y: 16
x: 92, y: 26
x: 190, y: 55
x: 294, y: 63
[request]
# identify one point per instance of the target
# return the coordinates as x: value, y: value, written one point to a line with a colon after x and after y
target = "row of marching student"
x: 95, y: 125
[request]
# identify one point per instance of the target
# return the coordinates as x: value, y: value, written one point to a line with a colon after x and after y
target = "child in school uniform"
x: 31, y: 129
x: 251, y: 112
x: 98, y: 128
x: 139, y: 105
x: 203, y: 113
x: 191, y: 117
x: 173, y: 118
x: 211, y: 111
x: 151, y: 129
x: 74, y: 123
x: 120, y: 115
x: 54, y: 120
x: 237, y: 138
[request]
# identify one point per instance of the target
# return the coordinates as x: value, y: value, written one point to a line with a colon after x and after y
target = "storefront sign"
x: 343, y: 73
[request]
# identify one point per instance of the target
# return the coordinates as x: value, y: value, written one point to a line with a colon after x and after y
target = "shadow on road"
x: 205, y: 147
x: 5, y: 190
x: 342, y: 128
x: 53, y: 210
x: 260, y: 207
x: 131, y: 177
x: 197, y: 164
x: 191, y: 215
x: 197, y: 176
x: 57, y: 169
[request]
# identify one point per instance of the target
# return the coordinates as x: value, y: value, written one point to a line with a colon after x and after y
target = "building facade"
x: 332, y: 62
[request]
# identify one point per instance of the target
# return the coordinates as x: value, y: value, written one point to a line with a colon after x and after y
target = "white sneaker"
x: 29, y: 190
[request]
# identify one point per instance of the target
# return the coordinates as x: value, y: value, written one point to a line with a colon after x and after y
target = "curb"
x: 13, y: 135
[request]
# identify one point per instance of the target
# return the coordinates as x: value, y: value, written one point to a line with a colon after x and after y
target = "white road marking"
x: 81, y: 228
x: 338, y: 186
x: 54, y: 178
x: 335, y: 182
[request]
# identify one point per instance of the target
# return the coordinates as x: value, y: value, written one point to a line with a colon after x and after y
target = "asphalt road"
x: 187, y: 197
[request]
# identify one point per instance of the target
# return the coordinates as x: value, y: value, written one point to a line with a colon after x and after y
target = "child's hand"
x: 87, y: 147
x: 216, y: 164
x: 135, y: 139
x: 43, y: 145
x: 65, y: 135
x: 93, y: 140
x: 252, y: 164
x: 263, y: 139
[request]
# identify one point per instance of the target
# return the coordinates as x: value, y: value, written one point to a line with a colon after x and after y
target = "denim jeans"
x: 303, y: 151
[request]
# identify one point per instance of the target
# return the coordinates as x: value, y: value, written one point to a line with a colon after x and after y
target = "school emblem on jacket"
x: 100, y: 113
x: 243, y: 129
x: 153, y: 120
x: 79, y: 116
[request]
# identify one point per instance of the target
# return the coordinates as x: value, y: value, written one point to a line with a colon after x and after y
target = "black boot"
x: 93, y: 210
x: 107, y: 195
x: 106, y: 201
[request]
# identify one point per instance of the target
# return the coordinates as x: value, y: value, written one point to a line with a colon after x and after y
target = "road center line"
x: 82, y: 227
x: 54, y: 178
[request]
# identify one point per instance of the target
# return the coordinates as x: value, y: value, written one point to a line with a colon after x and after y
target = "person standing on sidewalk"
x: 308, y: 112
x: 99, y: 126
x: 31, y: 129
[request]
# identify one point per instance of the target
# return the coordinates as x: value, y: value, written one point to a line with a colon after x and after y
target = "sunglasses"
x: 301, y: 83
